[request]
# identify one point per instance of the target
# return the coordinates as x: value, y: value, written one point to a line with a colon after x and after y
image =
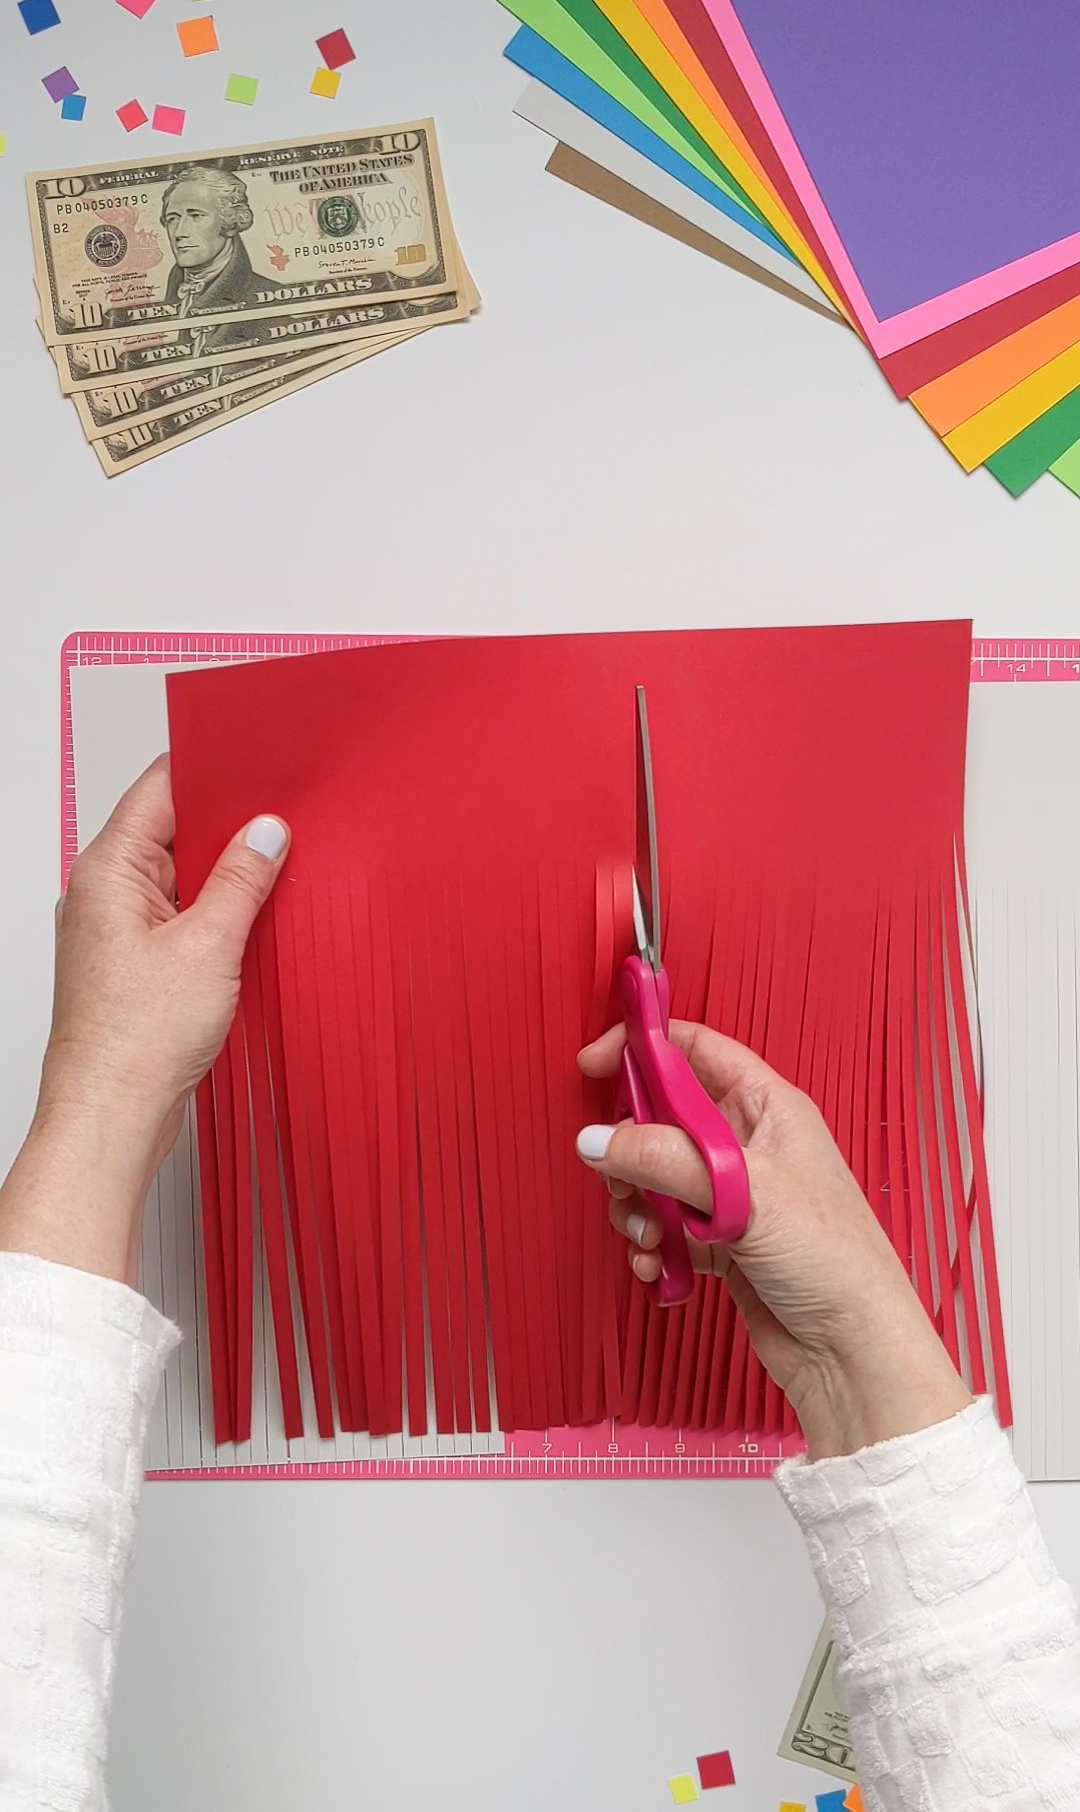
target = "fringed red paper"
x: 397, y: 1103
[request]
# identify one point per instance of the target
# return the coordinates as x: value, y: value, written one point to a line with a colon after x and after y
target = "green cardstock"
x: 1034, y: 450
x: 610, y: 41
x: 607, y: 60
x: 1067, y: 468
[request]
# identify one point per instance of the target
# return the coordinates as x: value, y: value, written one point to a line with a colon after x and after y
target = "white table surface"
x: 629, y: 435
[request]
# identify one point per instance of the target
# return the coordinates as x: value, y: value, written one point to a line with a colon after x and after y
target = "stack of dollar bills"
x: 179, y: 295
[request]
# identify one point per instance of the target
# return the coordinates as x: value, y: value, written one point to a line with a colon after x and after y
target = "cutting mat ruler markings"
x: 524, y: 1461
x: 1032, y: 661
x: 608, y: 1451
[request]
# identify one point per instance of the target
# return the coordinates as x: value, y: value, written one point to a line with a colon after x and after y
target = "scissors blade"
x: 646, y: 862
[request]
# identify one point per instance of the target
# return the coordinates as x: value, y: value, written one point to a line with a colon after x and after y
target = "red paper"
x: 401, y: 1079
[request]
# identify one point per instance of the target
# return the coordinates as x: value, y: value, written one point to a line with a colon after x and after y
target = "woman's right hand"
x: 829, y: 1308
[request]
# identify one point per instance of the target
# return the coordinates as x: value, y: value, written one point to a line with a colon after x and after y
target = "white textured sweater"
x: 961, y: 1659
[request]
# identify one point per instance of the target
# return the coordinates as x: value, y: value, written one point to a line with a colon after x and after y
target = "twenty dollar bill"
x: 819, y: 1729
x: 227, y: 237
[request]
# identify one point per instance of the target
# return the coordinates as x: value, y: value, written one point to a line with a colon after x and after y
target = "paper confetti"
x: 242, y: 88
x: 60, y: 83
x: 38, y: 15
x: 326, y: 82
x: 683, y: 1789
x: 716, y: 1770
x: 73, y: 106
x: 140, y: 8
x: 130, y: 115
x: 831, y: 1802
x: 3, y: 143
x: 169, y: 119
x: 335, y: 49
x: 197, y: 36
x: 792, y: 1805
x: 854, y: 1801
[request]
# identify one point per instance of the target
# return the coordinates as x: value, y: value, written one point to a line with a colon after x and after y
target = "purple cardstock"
x: 941, y: 136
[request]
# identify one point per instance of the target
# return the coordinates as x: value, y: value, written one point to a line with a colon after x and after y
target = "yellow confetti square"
x: 793, y: 1805
x: 683, y: 1789
x: 3, y: 143
x: 326, y: 82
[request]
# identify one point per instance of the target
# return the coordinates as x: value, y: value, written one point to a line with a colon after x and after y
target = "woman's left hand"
x: 144, y: 998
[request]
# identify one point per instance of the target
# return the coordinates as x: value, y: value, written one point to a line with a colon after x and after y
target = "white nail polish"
x: 635, y: 1227
x: 592, y: 1143
x: 267, y: 837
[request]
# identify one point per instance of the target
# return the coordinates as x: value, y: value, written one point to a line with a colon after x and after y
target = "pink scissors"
x: 656, y: 1083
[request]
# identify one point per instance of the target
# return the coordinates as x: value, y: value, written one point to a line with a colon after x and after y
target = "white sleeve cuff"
x: 80, y: 1362
x: 924, y: 1533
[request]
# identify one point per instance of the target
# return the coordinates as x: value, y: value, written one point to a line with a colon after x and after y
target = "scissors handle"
x: 676, y: 1280
x: 658, y: 1085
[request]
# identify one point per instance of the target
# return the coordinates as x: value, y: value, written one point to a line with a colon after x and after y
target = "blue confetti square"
x: 73, y: 106
x: 38, y: 15
x: 832, y: 1802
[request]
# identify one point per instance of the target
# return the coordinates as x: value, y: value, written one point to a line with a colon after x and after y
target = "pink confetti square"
x: 131, y: 115
x: 169, y: 119
x: 140, y: 8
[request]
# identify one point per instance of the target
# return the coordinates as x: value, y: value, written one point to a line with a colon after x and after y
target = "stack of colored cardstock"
x: 910, y: 167
x: 399, y: 1092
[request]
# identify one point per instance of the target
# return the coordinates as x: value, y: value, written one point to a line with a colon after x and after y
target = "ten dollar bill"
x: 103, y: 411
x: 92, y: 364
x: 122, y: 449
x: 819, y: 1729
x: 232, y: 235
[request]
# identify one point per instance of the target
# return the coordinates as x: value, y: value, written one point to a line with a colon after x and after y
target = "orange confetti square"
x: 197, y: 36
x: 854, y: 1801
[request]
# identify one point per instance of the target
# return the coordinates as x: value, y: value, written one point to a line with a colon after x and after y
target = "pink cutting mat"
x: 608, y: 1450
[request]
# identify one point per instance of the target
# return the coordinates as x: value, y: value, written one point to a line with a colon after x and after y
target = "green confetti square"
x: 242, y: 88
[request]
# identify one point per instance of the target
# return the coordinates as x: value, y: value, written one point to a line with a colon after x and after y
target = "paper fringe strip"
x: 421, y: 1231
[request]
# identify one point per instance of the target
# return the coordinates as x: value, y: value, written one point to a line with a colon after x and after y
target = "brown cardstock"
x: 572, y: 167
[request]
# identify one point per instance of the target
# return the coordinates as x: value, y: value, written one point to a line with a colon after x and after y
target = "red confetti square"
x: 130, y: 115
x: 716, y: 1770
x: 335, y: 49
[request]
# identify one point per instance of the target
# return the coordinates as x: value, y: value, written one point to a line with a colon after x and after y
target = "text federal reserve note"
x: 229, y: 236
